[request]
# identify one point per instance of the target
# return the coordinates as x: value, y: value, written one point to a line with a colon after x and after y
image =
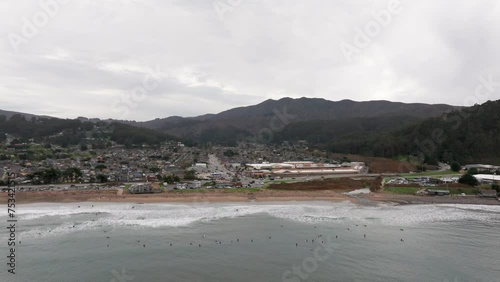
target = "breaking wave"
x: 51, y: 219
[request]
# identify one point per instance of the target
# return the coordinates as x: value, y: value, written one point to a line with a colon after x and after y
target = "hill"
x: 67, y: 132
x: 467, y: 135
x: 246, y: 122
x: 9, y: 114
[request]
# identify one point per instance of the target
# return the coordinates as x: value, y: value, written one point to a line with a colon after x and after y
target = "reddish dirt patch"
x: 339, y: 184
x: 380, y: 165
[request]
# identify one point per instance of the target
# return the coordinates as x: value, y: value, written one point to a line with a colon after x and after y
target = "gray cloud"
x: 91, y: 53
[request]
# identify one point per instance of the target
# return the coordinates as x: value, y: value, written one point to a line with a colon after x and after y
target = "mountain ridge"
x: 249, y: 120
x: 241, y: 123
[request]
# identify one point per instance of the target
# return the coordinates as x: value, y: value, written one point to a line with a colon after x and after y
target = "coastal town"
x: 174, y: 166
x: 171, y: 163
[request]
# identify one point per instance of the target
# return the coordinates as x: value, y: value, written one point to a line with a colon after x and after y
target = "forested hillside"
x: 66, y: 132
x: 468, y: 135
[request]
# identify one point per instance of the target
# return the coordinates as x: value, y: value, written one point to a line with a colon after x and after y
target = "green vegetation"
x: 71, y: 174
x: 154, y: 169
x: 100, y: 166
x: 202, y: 190
x: 228, y: 190
x: 472, y: 171
x: 466, y: 136
x: 413, y: 190
x: 455, y: 166
x: 343, y: 135
x: 129, y: 135
x: 171, y: 179
x: 74, y: 132
x: 430, y: 173
x: 242, y: 190
x: 468, y: 179
x: 466, y: 191
x: 47, y: 176
x: 403, y: 190
x: 279, y: 181
x: 230, y: 153
x: 496, y: 187
x: 101, y: 178
x: 189, y: 175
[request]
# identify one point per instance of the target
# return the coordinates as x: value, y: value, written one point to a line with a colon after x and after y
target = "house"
x: 140, y: 189
x: 491, y: 168
x: 488, y: 178
x: 435, y: 181
x: 488, y: 193
x: 137, y: 176
x: 180, y: 186
x: 151, y: 178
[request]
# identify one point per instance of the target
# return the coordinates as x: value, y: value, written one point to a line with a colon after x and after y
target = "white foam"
x: 65, y: 216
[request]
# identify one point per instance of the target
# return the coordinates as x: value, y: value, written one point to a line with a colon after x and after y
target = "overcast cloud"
x: 95, y: 58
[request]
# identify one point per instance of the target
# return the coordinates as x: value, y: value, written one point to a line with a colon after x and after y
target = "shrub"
x: 455, y: 166
x: 468, y: 179
x: 496, y: 187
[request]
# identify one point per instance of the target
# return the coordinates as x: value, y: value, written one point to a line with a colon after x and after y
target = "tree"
x: 154, y: 169
x: 189, y: 175
x: 421, y: 167
x: 100, y: 167
x: 345, y: 160
x: 230, y: 153
x: 72, y: 173
x: 430, y: 160
x: 171, y: 179
x: 455, y: 166
x: 51, y: 175
x: 496, y: 187
x: 468, y: 179
x: 472, y: 171
x: 101, y: 178
x: 83, y: 147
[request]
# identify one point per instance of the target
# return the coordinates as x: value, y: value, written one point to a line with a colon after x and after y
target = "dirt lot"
x: 337, y: 184
x: 380, y: 165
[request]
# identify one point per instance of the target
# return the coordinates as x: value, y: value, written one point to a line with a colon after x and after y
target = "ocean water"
x: 254, y: 242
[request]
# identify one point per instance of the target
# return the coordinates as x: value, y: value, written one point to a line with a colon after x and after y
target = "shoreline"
x: 222, y: 196
x: 429, y: 200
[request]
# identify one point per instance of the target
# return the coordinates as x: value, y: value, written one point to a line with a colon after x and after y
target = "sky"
x: 146, y: 59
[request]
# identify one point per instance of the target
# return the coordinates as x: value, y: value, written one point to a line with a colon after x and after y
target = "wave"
x: 47, y: 220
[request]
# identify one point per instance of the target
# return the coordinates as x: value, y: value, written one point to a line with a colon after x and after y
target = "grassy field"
x: 413, y: 190
x: 402, y: 190
x: 242, y: 190
x: 187, y: 191
x: 229, y: 190
x: 431, y: 173
x: 276, y: 181
x: 467, y: 191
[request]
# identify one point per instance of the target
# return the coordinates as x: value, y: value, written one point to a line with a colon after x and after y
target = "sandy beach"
x: 424, y: 199
x: 211, y: 196
x: 172, y: 196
